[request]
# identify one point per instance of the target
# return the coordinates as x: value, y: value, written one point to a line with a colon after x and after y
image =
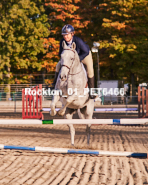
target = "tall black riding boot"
x: 91, y: 85
x: 55, y: 80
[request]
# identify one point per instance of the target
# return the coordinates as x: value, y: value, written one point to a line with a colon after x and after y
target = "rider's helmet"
x: 67, y: 29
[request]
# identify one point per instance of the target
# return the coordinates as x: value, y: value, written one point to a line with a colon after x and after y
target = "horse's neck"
x: 77, y: 76
x: 77, y: 67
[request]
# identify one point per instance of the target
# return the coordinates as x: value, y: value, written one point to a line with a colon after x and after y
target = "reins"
x: 71, y: 64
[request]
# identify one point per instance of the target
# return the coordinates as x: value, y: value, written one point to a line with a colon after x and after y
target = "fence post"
x: 15, y: 102
x: 143, y: 98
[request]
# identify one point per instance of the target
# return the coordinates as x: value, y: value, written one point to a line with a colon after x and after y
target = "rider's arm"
x: 84, y: 49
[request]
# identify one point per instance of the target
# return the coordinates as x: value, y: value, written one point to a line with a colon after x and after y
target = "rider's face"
x: 68, y: 37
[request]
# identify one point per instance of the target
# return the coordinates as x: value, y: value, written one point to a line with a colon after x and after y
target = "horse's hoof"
x: 61, y: 113
x: 53, y: 113
x: 72, y: 144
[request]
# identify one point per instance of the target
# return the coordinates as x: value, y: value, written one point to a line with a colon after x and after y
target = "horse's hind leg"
x: 82, y: 115
x: 68, y: 115
x: 87, y: 113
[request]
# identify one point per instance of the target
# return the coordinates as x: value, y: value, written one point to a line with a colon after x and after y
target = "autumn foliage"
x: 119, y: 26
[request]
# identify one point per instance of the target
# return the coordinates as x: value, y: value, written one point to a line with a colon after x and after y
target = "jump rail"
x: 32, y: 104
x: 100, y: 109
x: 142, y: 98
x: 75, y: 151
x: 75, y: 121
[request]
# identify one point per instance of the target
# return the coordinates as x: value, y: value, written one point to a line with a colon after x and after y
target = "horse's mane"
x: 77, y: 56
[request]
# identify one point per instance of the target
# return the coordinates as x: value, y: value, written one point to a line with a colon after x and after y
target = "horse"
x: 72, y: 80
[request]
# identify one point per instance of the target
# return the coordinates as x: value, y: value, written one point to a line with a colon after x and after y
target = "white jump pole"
x: 20, y: 122
x: 75, y: 151
x: 99, y: 109
x: 97, y: 121
x: 75, y: 121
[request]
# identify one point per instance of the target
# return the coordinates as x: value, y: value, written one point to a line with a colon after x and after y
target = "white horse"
x: 72, y: 80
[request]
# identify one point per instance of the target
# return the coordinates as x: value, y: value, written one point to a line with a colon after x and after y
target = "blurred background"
x: 30, y: 32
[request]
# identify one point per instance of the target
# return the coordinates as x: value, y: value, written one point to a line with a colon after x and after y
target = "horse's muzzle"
x: 63, y: 78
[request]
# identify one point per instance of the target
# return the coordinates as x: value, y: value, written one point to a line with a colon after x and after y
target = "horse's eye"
x: 71, y: 58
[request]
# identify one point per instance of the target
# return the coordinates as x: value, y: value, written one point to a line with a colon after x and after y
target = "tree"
x: 119, y: 26
x: 61, y: 12
x: 123, y: 38
x: 23, y: 27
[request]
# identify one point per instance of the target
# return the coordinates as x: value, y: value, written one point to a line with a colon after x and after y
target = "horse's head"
x: 67, y: 60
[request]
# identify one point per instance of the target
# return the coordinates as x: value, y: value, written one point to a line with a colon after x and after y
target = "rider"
x: 83, y: 52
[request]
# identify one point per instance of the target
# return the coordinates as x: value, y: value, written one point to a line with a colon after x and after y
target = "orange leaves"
x: 106, y: 20
x: 51, y: 58
x: 76, y: 1
x: 49, y: 64
x: 118, y: 25
x: 103, y: 4
x: 54, y: 5
x: 68, y: 11
x: 63, y: 12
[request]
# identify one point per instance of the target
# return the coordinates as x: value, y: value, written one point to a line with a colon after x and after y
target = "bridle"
x: 71, y: 64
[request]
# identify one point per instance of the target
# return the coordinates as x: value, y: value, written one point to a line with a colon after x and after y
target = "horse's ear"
x: 63, y: 44
x: 73, y: 45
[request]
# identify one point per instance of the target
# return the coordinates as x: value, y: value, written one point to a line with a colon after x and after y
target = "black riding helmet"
x: 67, y: 29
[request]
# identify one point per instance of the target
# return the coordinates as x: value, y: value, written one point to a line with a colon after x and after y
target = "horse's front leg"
x: 69, y: 100
x: 68, y: 115
x: 55, y: 99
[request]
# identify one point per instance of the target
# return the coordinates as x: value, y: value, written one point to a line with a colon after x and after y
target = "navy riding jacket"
x: 81, y: 48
